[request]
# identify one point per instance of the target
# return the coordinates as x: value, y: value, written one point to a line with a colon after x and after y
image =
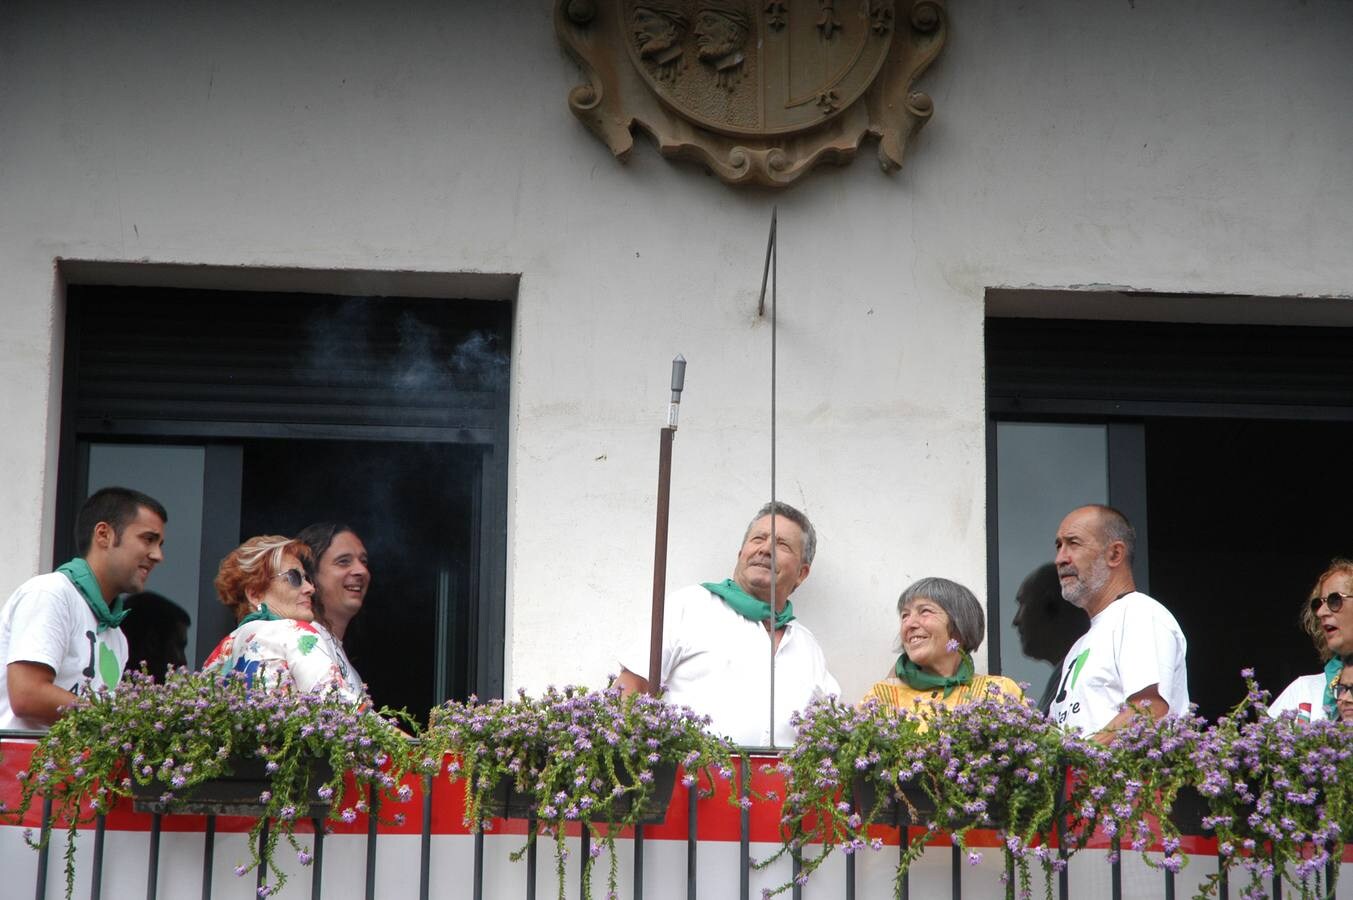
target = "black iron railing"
x: 641, y: 847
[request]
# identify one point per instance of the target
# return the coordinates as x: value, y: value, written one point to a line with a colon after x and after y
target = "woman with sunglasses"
x: 277, y: 643
x: 1328, y: 618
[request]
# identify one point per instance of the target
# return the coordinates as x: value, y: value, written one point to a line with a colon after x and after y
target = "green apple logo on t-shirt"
x: 109, y: 670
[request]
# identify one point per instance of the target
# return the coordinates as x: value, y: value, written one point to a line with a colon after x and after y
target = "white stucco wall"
x: 1191, y: 148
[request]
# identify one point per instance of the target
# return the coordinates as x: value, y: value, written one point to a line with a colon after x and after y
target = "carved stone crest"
x: 758, y: 91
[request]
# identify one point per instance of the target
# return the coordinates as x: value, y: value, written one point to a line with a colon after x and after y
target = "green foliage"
x: 576, y: 756
x: 194, y: 728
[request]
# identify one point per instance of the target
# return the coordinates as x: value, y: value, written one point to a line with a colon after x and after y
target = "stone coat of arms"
x: 758, y: 91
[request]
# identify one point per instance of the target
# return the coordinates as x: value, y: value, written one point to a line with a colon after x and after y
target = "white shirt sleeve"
x: 826, y: 682
x: 1305, y: 695
x: 41, y: 629
x: 673, y: 621
x: 1148, y: 653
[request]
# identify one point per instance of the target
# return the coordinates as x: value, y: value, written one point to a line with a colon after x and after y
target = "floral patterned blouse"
x: 280, y: 652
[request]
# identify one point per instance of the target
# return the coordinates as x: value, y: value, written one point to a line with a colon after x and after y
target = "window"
x: 1220, y: 442
x: 250, y: 413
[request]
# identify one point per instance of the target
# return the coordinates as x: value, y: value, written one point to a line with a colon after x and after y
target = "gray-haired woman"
x: 941, y: 624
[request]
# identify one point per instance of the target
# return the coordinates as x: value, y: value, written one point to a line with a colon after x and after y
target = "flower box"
x: 236, y: 794
x: 506, y: 802
x: 909, y: 804
x: 914, y: 807
x: 1188, y: 810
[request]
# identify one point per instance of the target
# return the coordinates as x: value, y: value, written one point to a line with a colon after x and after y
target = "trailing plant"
x: 194, y: 728
x: 1127, y: 789
x: 576, y: 756
x: 998, y: 763
x: 836, y: 746
x: 1280, y: 792
x: 993, y: 763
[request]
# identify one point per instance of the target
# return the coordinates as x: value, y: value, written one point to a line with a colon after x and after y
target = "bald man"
x: 1132, y: 658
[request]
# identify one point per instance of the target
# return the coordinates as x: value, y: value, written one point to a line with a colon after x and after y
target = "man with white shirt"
x: 1132, y: 658
x: 59, y: 633
x: 718, y: 639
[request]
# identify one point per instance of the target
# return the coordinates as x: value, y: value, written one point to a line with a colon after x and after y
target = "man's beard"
x: 1087, y: 584
x: 715, y: 51
x: 657, y: 44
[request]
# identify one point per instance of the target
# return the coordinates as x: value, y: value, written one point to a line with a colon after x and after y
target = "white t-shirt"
x: 1132, y: 644
x: 1306, y: 695
x: 47, y: 621
x: 718, y: 663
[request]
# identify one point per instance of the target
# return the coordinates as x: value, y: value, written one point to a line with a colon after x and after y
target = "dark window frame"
x: 483, y: 428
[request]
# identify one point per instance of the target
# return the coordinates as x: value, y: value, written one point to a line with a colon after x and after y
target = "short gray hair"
x: 784, y: 509
x: 967, y: 623
x: 1114, y: 526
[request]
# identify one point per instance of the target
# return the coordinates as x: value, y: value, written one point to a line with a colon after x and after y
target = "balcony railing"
x: 705, y: 849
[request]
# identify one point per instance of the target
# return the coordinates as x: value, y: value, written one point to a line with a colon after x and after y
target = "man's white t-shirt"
x: 47, y: 621
x: 718, y: 663
x: 1132, y: 644
x: 1306, y: 695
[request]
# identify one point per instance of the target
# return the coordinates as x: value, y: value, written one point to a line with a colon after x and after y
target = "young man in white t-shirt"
x: 59, y: 633
x: 1132, y: 658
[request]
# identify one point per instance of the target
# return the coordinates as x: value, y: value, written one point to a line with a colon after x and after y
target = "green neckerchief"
x: 919, y: 680
x: 262, y: 614
x: 1333, y: 669
x: 747, y: 606
x: 80, y: 575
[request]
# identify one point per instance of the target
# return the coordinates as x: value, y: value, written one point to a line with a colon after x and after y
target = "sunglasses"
x: 1340, y: 689
x: 294, y: 577
x: 1334, y: 600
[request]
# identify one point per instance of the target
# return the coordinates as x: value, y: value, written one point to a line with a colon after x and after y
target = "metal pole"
x: 532, y: 834
x: 262, y: 868
x: 96, y: 877
x: 768, y: 273
x: 585, y: 858
x: 477, y: 876
x: 692, y: 843
x: 638, y: 862
x: 774, y: 547
x: 660, y: 532
x: 425, y: 834
x: 903, y: 845
x: 372, y: 820
x: 745, y: 833
x: 208, y: 856
x: 1116, y: 868
x: 44, y: 838
x: 317, y: 864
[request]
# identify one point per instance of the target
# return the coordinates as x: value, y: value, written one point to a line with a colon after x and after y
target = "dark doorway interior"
x: 414, y: 506
x: 1244, y: 516
x: 388, y: 413
x: 1245, y: 429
